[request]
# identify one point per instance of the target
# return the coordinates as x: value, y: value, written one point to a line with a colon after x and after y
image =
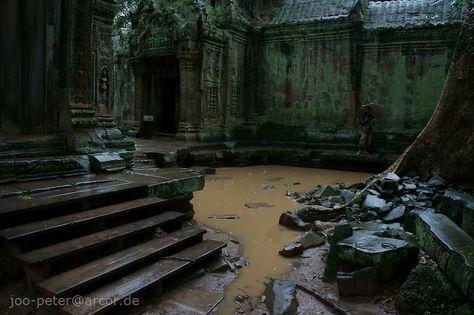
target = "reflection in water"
x: 230, y: 193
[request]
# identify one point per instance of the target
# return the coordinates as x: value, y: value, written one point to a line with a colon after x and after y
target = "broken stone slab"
x: 372, y: 202
x: 363, y: 282
x: 409, y: 186
x: 107, y: 162
x: 311, y: 213
x: 258, y: 205
x: 281, y: 297
x: 395, y: 215
x: 341, y: 231
x: 390, y: 256
x: 292, y: 221
x: 409, y: 224
x: 326, y: 191
x: 392, y: 176
x: 311, y: 239
x: 347, y: 195
x: 427, y: 291
x: 450, y: 246
x: 292, y: 250
x: 456, y: 205
x: 389, y: 187
x: 437, y: 181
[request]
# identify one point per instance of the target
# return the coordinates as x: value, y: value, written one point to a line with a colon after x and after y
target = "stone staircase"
x: 104, y: 243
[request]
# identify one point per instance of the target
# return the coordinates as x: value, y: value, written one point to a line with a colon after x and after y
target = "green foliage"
x: 123, y: 9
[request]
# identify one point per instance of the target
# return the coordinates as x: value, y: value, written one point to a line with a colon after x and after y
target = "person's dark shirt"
x: 366, y: 122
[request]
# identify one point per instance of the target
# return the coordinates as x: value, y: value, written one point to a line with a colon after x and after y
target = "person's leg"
x: 362, y: 143
x: 369, y: 142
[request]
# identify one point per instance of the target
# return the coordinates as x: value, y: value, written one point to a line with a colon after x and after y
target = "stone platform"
x: 167, y: 151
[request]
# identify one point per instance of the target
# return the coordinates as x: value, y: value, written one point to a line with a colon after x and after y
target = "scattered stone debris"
x: 307, y: 240
x: 281, y: 297
x: 258, y: 205
x: 374, y: 242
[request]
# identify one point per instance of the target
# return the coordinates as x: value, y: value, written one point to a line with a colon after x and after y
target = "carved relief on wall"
x: 212, y: 65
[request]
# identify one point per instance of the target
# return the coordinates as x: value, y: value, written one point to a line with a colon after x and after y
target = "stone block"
x: 311, y: 213
x: 362, y: 282
x: 453, y: 204
x: 450, y: 246
x: 374, y: 203
x: 107, y: 162
x: 292, y: 221
x: 390, y: 256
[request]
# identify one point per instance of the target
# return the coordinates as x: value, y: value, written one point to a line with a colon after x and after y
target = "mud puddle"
x: 246, y: 203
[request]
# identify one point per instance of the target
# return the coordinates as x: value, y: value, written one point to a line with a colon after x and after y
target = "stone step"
x: 81, y: 244
x: 82, y: 113
x: 77, y: 278
x: 70, y: 198
x: 35, y: 167
x: 145, y: 278
x: 91, y: 216
x: 450, y: 246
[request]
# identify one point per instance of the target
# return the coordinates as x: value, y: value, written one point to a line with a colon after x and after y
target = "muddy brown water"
x: 257, y: 229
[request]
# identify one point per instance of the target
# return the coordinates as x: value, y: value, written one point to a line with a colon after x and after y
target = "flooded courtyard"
x: 247, y: 202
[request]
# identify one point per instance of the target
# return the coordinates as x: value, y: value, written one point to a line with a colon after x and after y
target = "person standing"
x: 366, y: 124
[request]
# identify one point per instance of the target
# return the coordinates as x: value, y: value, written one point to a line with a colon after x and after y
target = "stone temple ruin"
x: 110, y: 121
x: 294, y: 71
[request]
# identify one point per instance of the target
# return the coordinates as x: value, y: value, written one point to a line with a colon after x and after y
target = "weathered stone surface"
x: 460, y: 208
x: 292, y: 221
x: 326, y: 191
x: 395, y: 215
x: 281, y: 297
x: 310, y: 213
x: 292, y: 250
x: 374, y: 203
x: 360, y: 282
x: 107, y: 162
x: 437, y: 181
x: 393, y: 177
x: 426, y: 291
x: 311, y: 239
x: 390, y: 256
x: 347, y: 195
x: 389, y: 187
x: 450, y: 247
x: 341, y: 231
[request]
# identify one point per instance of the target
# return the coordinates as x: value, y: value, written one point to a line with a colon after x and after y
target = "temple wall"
x: 403, y: 74
x: 305, y: 83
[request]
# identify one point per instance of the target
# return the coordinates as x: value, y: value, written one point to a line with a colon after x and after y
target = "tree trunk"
x: 445, y: 147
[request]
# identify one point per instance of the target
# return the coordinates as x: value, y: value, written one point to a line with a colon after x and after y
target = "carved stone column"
x: 138, y: 102
x: 189, y: 110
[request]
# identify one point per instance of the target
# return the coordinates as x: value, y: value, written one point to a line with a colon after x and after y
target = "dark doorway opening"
x: 167, y: 106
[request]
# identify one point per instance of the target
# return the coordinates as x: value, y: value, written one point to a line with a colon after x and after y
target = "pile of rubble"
x: 394, y: 228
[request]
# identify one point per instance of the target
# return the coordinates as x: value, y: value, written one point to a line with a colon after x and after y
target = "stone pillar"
x: 189, y: 100
x: 138, y: 102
